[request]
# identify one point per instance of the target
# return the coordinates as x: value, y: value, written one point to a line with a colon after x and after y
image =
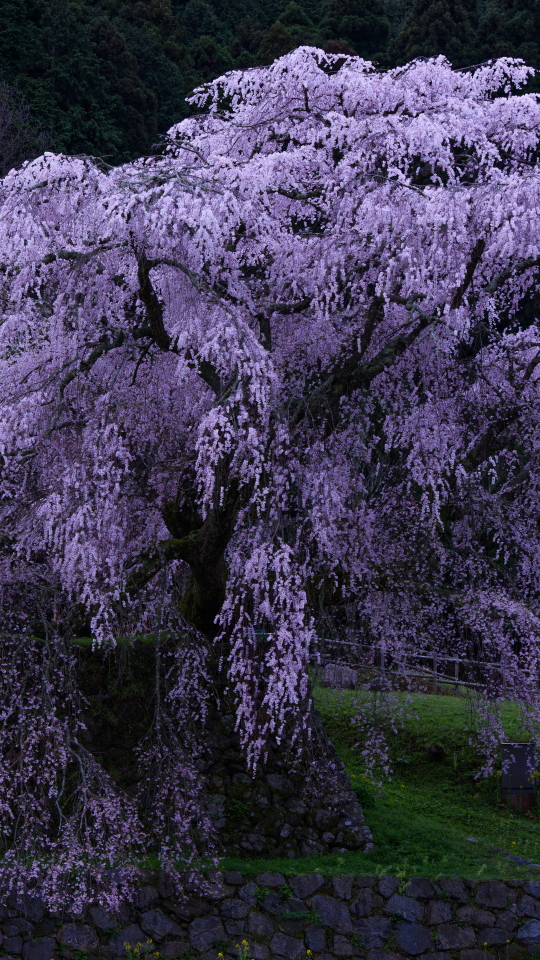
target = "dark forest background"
x: 108, y: 77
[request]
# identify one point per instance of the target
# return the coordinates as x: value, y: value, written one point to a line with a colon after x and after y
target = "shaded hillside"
x: 108, y: 77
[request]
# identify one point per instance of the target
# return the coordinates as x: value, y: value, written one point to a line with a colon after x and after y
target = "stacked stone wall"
x: 291, y: 918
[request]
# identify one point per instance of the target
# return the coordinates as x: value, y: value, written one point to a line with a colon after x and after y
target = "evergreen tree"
x: 293, y: 29
x: 20, y: 137
x: 511, y: 28
x: 436, y: 27
x: 361, y: 23
x: 277, y: 41
x: 104, y: 76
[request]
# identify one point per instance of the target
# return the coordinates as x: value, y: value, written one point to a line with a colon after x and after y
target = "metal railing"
x: 437, y: 668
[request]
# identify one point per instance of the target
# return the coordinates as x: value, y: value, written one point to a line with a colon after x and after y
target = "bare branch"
x: 476, y: 256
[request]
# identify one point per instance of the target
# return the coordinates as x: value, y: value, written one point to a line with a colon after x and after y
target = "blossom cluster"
x: 287, y: 364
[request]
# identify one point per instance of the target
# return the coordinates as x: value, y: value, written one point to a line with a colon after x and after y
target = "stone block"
x: 280, y: 784
x: 294, y: 903
x: 43, y: 949
x: 174, y: 949
x: 310, y: 848
x: 532, y: 887
x: 233, y: 877
x: 157, y: 925
x: 165, y: 885
x: 342, y: 887
x: 405, y: 907
x: 528, y: 907
x: 258, y: 925
x: 494, y: 893
x: 189, y: 909
x: 18, y: 927
x: 217, y: 889
x: 272, y: 903
x: 437, y: 911
x: 342, y: 946
x: 102, y: 920
x: 132, y: 935
x: 366, y: 902
x: 270, y: 879
x: 333, y: 914
x: 234, y: 909
x: 388, y: 886
x: 235, y: 928
x: 476, y: 917
x: 204, y: 932
x: 419, y: 889
x: 30, y: 905
x: 283, y: 946
x: 258, y: 951
x: 78, y: 937
x: 145, y: 897
x: 339, y: 677
x: 454, y: 888
x: 255, y: 843
x: 452, y: 937
x: 363, y: 882
x: 373, y: 930
x: 123, y: 915
x: 12, y: 945
x: 529, y: 932
x: 294, y: 805
x: 436, y: 955
x: 476, y: 955
x: 315, y: 938
x: 293, y: 927
x: 507, y: 920
x: 412, y: 938
x: 493, y: 937
x: 211, y: 954
x: 248, y: 893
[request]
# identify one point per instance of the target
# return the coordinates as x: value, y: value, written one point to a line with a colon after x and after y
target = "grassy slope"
x: 422, y: 818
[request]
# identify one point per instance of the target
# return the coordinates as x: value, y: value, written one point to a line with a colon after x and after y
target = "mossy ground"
x: 421, y: 820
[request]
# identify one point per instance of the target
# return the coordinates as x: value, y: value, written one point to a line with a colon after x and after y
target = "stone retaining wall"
x: 293, y: 918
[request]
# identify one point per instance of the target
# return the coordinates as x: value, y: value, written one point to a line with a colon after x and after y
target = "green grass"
x: 422, y: 818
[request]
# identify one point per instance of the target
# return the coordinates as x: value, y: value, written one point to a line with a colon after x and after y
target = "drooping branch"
x: 475, y: 258
x: 153, y: 308
x: 154, y: 327
x: 84, y: 366
x: 350, y: 373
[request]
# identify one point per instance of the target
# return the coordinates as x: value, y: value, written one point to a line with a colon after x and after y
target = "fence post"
x: 434, y: 674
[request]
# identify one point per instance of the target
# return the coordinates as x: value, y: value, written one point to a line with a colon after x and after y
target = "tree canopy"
x: 290, y: 363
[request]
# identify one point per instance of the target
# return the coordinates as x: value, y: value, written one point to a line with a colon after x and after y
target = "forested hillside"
x: 107, y: 77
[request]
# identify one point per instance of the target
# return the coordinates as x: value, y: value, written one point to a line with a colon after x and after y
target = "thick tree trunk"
x: 287, y: 808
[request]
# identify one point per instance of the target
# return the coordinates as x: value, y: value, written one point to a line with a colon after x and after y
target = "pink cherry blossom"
x: 290, y: 363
